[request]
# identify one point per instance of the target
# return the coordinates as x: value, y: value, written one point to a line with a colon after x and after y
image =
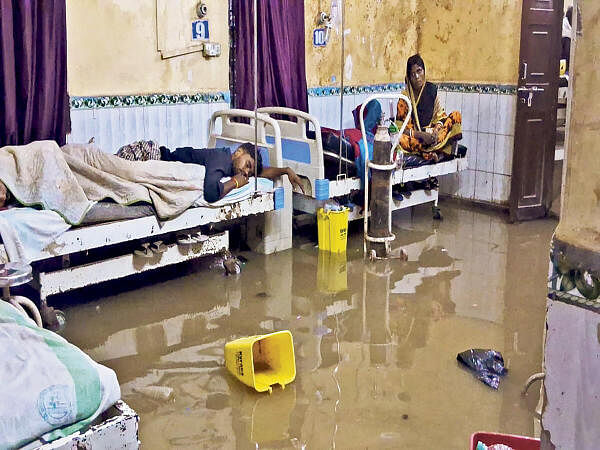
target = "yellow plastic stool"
x: 333, y: 230
x: 262, y: 361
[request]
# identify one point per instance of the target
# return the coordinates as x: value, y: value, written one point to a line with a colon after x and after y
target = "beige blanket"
x: 68, y: 181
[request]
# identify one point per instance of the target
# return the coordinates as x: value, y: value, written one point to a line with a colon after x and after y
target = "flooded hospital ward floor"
x: 375, y: 344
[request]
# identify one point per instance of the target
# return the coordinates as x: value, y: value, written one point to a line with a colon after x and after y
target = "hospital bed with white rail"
x: 305, y: 155
x: 87, y: 255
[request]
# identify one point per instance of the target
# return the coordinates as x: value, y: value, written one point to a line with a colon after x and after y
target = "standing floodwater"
x: 375, y: 343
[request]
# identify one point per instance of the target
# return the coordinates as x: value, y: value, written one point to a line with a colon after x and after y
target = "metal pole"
x: 342, y: 90
x: 255, y: 18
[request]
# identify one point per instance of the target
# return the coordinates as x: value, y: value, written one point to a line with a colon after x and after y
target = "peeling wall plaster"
x: 460, y: 40
x: 381, y: 34
x: 112, y: 45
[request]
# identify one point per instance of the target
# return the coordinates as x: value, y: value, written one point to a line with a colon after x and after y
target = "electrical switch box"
x: 211, y: 49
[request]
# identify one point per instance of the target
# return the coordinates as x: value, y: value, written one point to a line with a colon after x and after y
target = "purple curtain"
x: 281, y: 69
x: 33, y: 71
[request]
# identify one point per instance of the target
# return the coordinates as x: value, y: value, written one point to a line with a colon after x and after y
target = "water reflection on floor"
x: 375, y: 344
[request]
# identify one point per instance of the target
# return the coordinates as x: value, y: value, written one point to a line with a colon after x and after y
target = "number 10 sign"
x: 320, y: 37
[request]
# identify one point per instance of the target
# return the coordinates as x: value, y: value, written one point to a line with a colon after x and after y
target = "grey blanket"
x: 70, y: 179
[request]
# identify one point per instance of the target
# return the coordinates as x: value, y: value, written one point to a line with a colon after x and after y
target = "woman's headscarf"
x: 424, y: 101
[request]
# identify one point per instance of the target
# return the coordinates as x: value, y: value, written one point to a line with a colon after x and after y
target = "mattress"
x: 103, y: 212
x: 110, y: 211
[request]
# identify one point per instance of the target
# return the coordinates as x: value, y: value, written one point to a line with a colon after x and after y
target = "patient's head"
x: 415, y: 72
x: 243, y: 160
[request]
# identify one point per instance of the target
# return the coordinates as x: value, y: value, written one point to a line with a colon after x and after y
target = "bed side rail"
x: 304, y: 155
x: 238, y: 132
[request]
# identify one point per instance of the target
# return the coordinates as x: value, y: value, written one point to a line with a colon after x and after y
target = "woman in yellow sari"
x: 430, y: 131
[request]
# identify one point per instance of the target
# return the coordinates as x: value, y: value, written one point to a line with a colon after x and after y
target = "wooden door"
x: 535, y: 134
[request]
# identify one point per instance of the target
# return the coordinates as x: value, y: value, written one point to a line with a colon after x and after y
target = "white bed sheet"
x: 26, y: 232
x: 264, y: 185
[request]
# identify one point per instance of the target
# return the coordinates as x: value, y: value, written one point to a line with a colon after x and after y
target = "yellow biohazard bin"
x: 333, y: 230
x: 332, y: 272
x: 262, y: 361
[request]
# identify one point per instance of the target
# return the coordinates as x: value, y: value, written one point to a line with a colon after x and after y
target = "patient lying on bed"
x: 219, y: 163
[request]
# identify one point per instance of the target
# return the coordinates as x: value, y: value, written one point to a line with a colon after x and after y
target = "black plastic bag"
x: 488, y: 365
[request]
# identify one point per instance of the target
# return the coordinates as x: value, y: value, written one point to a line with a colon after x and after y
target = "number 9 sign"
x: 200, y: 30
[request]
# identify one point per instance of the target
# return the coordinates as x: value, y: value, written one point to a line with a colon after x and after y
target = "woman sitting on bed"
x: 430, y: 131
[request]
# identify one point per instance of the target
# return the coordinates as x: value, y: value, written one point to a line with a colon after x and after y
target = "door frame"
x: 520, y: 120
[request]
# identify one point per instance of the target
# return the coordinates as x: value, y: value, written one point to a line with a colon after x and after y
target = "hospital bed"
x: 305, y: 155
x: 91, y: 254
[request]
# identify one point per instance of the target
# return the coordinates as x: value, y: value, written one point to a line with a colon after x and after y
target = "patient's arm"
x: 274, y: 172
x: 234, y: 182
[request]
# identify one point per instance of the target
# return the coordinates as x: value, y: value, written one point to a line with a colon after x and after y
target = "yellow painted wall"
x: 112, y: 45
x: 460, y: 40
x: 380, y: 36
x: 471, y: 40
x: 112, y: 50
x: 580, y: 211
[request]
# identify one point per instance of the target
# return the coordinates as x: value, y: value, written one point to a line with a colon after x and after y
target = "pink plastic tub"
x: 516, y: 442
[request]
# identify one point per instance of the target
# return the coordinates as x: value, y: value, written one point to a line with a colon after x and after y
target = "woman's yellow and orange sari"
x: 427, y: 112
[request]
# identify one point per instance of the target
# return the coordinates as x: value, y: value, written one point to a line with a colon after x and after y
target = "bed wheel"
x: 52, y: 318
x: 437, y: 214
x: 61, y: 318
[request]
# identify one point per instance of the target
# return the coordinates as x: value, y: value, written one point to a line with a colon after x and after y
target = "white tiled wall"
x: 327, y: 109
x: 488, y: 133
x: 169, y: 125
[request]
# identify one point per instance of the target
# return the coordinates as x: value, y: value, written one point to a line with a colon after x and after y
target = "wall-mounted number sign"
x: 200, y: 30
x: 320, y: 37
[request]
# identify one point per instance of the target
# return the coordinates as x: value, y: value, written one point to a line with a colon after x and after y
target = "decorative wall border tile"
x: 118, y: 101
x: 395, y: 87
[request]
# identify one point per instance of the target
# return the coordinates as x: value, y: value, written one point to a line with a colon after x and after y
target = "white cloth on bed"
x: 37, y: 174
x: 26, y: 232
x: 171, y: 187
x: 239, y: 194
x: 68, y: 181
x: 50, y: 388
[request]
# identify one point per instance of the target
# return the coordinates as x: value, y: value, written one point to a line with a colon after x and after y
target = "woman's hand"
x: 295, y: 180
x: 425, y: 138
